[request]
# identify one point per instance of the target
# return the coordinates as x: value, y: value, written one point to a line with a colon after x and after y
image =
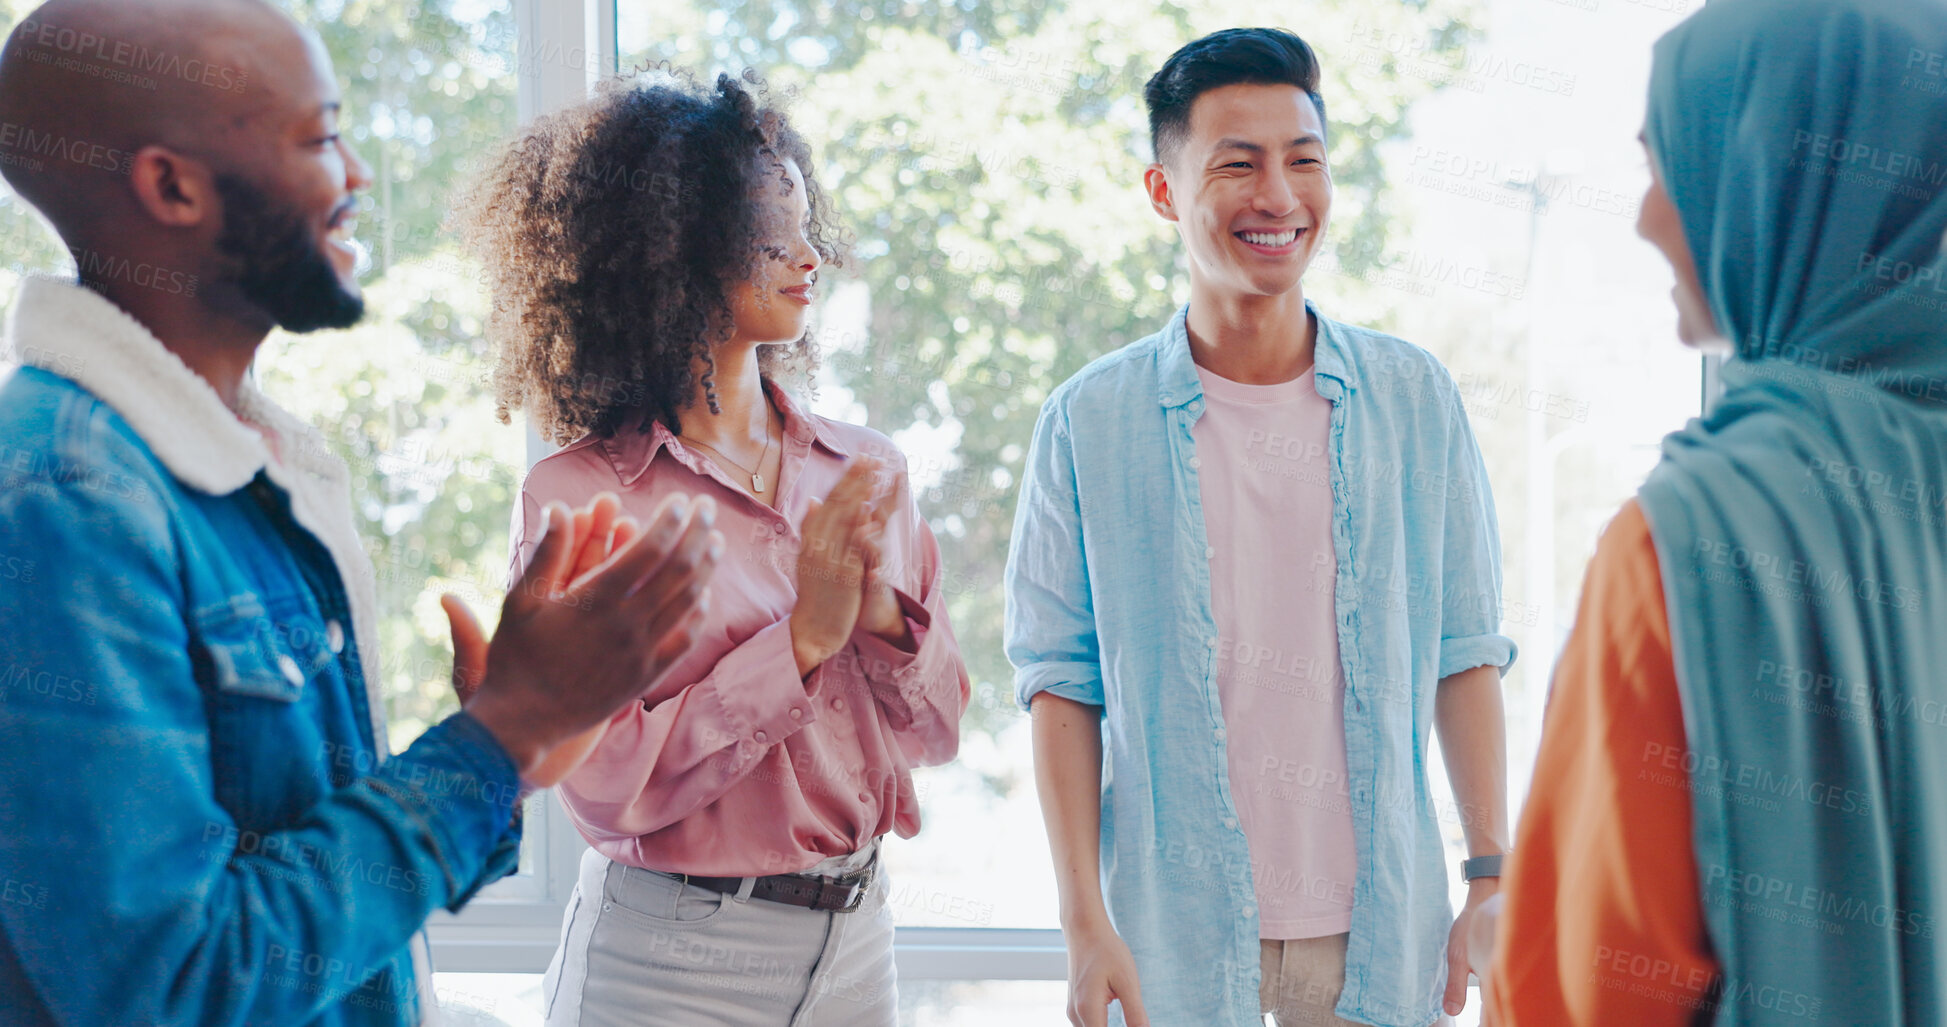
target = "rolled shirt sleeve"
x: 924, y: 692
x: 1470, y: 611
x: 1050, y: 618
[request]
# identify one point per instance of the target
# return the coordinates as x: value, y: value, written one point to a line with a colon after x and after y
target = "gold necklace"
x: 756, y: 479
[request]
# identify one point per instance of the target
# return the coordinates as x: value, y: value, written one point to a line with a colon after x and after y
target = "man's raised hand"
x: 572, y: 649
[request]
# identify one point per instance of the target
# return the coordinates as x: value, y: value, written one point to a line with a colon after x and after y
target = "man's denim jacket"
x: 199, y: 823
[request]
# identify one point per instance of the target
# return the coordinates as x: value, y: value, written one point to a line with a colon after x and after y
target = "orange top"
x: 1604, y: 920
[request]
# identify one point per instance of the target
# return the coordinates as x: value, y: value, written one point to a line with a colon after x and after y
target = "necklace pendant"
x: 757, y: 483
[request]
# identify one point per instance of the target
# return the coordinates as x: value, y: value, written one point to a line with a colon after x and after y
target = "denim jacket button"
x: 290, y: 669
x: 335, y: 637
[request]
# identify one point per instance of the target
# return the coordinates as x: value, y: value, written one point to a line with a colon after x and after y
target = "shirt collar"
x: 1177, y: 383
x: 72, y: 331
x: 633, y: 448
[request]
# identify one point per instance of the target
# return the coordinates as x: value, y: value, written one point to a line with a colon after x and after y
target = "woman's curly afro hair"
x: 609, y: 233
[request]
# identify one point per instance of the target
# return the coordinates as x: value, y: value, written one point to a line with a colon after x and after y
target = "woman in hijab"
x: 1740, y: 806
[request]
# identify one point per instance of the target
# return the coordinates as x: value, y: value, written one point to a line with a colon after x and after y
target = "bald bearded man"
x: 199, y: 821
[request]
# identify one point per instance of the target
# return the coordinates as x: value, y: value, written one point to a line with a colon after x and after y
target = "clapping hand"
x: 839, y: 587
x: 604, y: 609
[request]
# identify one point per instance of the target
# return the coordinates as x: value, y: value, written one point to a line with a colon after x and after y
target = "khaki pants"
x: 1301, y: 980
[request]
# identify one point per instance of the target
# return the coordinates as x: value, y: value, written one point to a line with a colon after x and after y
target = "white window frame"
x: 564, y: 47
x: 513, y: 926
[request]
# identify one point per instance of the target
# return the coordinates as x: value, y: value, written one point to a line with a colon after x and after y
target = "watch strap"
x: 1481, y: 866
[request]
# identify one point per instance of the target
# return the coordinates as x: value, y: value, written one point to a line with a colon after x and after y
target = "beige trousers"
x: 1300, y: 981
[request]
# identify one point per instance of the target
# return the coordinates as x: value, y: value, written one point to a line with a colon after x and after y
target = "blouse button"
x: 797, y: 714
x: 760, y: 736
x: 865, y: 797
x: 778, y: 527
x: 838, y: 704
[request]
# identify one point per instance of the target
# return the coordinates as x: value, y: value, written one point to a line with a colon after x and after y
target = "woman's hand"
x: 880, y: 612
x: 831, y: 571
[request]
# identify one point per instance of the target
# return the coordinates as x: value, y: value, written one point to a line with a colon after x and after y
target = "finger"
x: 626, y: 530
x: 1131, y: 996
x: 547, y: 569
x: 625, y: 569
x: 469, y: 647
x: 680, y: 580
x: 837, y: 515
x: 582, y: 517
x: 885, y: 487
x: 596, y: 544
x: 868, y: 541
x: 854, y: 486
x: 1456, y: 997
x: 858, y: 503
x: 884, y: 505
x: 673, y: 642
x: 1091, y: 1010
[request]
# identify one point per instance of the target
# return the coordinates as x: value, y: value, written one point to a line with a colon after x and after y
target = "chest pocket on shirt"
x: 264, y: 741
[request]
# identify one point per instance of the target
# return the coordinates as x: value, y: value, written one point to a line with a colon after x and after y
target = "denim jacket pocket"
x: 242, y: 645
x: 265, y: 741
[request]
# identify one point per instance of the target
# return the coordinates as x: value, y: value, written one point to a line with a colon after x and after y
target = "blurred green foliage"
x: 987, y: 154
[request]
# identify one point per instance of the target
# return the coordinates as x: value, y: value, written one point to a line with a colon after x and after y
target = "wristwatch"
x: 1481, y: 866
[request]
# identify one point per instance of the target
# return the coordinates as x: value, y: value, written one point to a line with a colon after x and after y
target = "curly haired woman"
x: 653, y: 254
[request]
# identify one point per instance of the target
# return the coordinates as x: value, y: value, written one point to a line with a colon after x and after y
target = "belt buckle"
x: 859, y: 888
x: 856, y: 898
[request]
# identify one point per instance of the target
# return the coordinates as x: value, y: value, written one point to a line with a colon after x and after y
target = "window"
x: 987, y: 153
x: 989, y: 157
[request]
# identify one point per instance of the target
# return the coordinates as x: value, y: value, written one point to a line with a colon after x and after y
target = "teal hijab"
x: 1801, y: 527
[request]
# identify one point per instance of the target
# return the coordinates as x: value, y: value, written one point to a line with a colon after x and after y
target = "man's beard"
x: 282, y: 269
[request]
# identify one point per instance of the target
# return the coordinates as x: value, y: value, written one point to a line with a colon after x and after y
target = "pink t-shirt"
x: 1267, y: 508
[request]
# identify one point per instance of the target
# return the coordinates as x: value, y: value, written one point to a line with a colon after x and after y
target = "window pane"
x: 403, y: 396
x: 989, y: 156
